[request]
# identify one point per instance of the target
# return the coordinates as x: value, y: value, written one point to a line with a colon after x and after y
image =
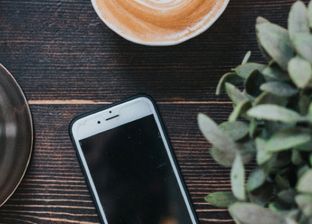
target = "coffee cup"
x: 159, y: 22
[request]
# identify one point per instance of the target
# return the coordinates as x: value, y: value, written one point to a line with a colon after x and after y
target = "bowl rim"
x: 31, y: 125
x: 160, y: 43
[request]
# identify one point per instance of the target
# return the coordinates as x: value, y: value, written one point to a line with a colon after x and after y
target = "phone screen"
x: 133, y: 175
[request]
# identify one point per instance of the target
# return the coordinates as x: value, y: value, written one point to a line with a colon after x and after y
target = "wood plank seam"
x: 93, y: 102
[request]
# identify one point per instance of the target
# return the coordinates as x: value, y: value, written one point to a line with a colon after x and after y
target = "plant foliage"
x: 270, y: 125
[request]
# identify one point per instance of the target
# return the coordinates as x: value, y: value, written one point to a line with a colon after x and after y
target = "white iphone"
x: 129, y: 165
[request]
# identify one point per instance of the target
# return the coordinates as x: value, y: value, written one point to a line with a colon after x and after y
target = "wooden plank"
x: 61, y: 50
x: 54, y: 188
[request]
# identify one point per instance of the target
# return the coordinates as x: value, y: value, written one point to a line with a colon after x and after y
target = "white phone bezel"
x: 125, y: 112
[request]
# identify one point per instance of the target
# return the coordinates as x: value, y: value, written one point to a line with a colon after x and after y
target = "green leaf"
x: 245, y: 70
x: 256, y: 179
x: 282, y: 182
x: 287, y: 139
x: 235, y: 94
x: 290, y: 221
x: 274, y: 113
x: 246, y: 57
x: 261, y: 19
x: 304, y: 201
x: 253, y: 83
x: 287, y: 196
x: 310, y: 14
x: 309, y: 115
x: 238, y: 178
x: 310, y: 159
x: 262, y: 155
x: 247, y: 151
x: 230, y: 77
x: 248, y: 213
x: 305, y: 182
x: 303, y: 104
x: 273, y: 72
x: 307, y: 147
x: 279, y: 89
x: 240, y: 109
x: 216, y: 136
x: 298, y: 19
x: 252, y: 127
x: 275, y: 41
x: 303, y: 45
x: 296, y: 158
x: 302, y: 170
x: 221, y: 199
x: 221, y: 157
x: 300, y: 72
x: 263, y: 195
x: 267, y: 98
x: 276, y: 207
x: 236, y: 130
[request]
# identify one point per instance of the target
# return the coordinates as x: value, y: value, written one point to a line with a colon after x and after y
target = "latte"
x: 159, y: 22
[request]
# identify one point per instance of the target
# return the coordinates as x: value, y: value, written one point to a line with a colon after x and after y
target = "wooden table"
x: 68, y: 62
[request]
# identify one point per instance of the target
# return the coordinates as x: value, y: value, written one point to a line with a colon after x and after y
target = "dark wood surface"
x: 68, y: 62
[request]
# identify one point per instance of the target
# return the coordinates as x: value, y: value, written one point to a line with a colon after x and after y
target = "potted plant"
x: 270, y: 127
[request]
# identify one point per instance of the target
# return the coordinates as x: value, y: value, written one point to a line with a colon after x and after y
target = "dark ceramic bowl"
x: 16, y: 135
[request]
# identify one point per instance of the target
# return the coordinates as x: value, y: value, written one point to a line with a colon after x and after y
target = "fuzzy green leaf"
x: 252, y: 127
x: 247, y: 151
x: 216, y: 136
x: 235, y: 94
x: 304, y: 201
x: 282, y: 182
x: 303, y: 45
x: 305, y: 182
x: 230, y: 77
x: 310, y: 14
x: 287, y: 139
x: 236, y: 130
x: 238, y: 178
x: 279, y: 89
x: 253, y: 83
x: 267, y: 98
x: 296, y: 158
x: 274, y: 113
x: 221, y: 199
x: 221, y: 157
x: 300, y: 72
x: 245, y: 70
x: 248, y: 213
x: 275, y: 41
x: 302, y: 170
x: 273, y: 72
x: 262, y: 155
x: 287, y: 196
x: 256, y: 179
x: 290, y: 221
x: 246, y: 57
x: 298, y: 19
x: 240, y: 109
x: 303, y: 104
x: 261, y: 19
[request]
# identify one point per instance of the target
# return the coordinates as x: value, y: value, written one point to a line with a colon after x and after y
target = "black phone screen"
x: 133, y: 176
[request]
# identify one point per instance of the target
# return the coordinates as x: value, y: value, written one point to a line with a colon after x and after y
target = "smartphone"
x: 130, y: 166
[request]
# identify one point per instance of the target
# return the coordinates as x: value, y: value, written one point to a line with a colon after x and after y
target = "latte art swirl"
x: 159, y: 21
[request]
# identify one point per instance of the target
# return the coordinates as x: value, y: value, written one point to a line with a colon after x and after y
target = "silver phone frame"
x: 135, y: 109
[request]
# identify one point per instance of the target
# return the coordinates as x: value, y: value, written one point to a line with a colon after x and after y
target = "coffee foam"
x: 159, y: 22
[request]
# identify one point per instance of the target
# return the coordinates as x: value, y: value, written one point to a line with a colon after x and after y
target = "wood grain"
x: 68, y: 62
x: 54, y: 188
x: 61, y: 50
